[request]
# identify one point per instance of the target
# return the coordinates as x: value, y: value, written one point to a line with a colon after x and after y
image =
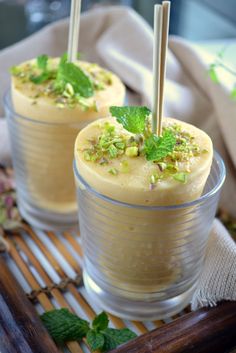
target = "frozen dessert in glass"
x: 51, y: 100
x: 143, y: 221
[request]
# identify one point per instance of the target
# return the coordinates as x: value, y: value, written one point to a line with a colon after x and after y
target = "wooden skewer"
x: 164, y: 46
x: 156, y: 66
x: 74, y: 30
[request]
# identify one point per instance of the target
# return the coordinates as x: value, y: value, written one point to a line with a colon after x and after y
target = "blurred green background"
x: 191, y: 19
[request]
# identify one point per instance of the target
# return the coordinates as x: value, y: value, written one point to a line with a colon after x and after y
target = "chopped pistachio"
x: 181, y: 177
x: 69, y: 90
x: 103, y: 161
x: 60, y: 105
x: 98, y: 85
x: 112, y: 150
x: 15, y: 70
x: 109, y: 128
x: 172, y: 167
x: 131, y: 151
x: 162, y: 166
x: 113, y: 171
x: 154, y: 177
x: 124, y: 166
x: 120, y: 145
x: 87, y: 156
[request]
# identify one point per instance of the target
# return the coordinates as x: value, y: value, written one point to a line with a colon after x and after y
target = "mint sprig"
x: 64, y: 326
x: 72, y: 74
x: 133, y: 118
x: 67, y: 73
x: 158, y: 147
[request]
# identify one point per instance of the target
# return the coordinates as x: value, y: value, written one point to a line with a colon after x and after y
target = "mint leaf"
x: 95, y: 340
x: 70, y: 73
x: 42, y: 62
x: 63, y: 59
x: 156, y: 148
x: 100, y: 322
x: 64, y: 326
x: 133, y: 119
x: 114, y: 337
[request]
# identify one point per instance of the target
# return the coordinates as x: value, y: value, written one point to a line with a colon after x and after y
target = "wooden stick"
x: 156, y: 66
x: 74, y: 30
x: 164, y: 46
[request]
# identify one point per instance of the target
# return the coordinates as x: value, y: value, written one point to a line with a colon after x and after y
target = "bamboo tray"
x: 48, y: 267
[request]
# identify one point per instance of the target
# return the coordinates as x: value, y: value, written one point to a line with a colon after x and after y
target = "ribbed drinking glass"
x: 143, y: 262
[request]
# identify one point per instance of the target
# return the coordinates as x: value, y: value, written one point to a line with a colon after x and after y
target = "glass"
x: 143, y: 262
x: 42, y: 158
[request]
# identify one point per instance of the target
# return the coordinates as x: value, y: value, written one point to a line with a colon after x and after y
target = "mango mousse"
x: 140, y: 168
x: 120, y: 158
x: 57, y: 99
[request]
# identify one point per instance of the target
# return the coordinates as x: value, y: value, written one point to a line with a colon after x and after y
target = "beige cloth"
x: 218, y: 278
x: 119, y: 39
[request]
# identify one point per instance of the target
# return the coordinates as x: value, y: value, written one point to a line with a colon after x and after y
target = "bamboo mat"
x: 48, y: 267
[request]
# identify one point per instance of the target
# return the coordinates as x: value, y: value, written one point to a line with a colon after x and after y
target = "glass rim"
x: 8, y: 106
x: 216, y: 157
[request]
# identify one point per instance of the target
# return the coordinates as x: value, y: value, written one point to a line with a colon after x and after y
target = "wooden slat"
x: 42, y: 297
x: 158, y: 323
x: 73, y: 242
x: 63, y: 250
x: 117, y: 322
x: 55, y: 292
x: 140, y: 327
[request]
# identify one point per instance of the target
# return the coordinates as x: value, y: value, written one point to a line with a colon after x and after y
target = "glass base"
x: 48, y: 220
x: 136, y: 309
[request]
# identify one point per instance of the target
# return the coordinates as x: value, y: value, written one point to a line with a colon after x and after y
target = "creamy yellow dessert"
x: 58, y: 99
x: 128, y: 177
x: 121, y: 159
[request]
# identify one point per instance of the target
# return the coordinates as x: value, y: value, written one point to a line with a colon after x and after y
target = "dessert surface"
x: 54, y: 90
x: 125, y: 166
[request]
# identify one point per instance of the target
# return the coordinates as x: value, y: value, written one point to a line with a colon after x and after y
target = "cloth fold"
x: 218, y: 278
x: 119, y: 39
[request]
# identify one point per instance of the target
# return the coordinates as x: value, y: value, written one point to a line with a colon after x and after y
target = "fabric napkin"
x: 119, y: 39
x: 218, y: 278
